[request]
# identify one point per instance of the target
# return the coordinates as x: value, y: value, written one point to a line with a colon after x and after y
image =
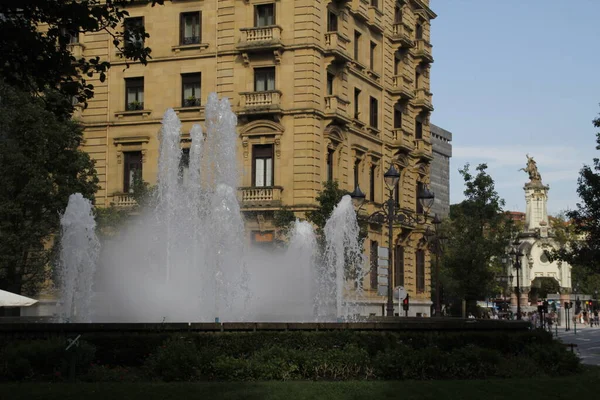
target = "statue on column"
x: 531, y: 169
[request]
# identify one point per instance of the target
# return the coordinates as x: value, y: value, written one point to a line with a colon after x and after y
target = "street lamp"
x: 516, y: 255
x: 390, y: 214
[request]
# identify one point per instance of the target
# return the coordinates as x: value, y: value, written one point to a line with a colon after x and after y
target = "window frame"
x: 399, y: 276
x: 127, y: 23
x: 332, y: 21
x: 132, y: 83
x: 373, y: 112
x: 330, y: 83
x: 357, y: 93
x: 372, y: 51
x: 357, y: 39
x: 418, y: 129
x: 264, y: 6
x: 420, y: 270
x: 263, y: 152
x: 372, y: 182
x: 182, y: 37
x: 374, y: 264
x: 127, y: 162
x: 329, y: 163
x: 187, y: 79
x: 357, y: 172
x: 263, y: 70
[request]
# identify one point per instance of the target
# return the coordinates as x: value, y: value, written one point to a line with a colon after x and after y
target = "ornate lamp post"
x: 390, y: 214
x: 516, y: 255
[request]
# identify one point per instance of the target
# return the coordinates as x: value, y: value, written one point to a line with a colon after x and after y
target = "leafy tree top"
x: 35, y: 51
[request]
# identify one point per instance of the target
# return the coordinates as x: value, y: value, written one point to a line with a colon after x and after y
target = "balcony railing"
x: 337, y: 44
x: 359, y: 8
x: 423, y: 99
x: 336, y: 105
x: 423, y: 50
x: 268, y: 99
x: 123, y: 200
x: 264, y: 36
x: 260, y: 196
x: 403, y: 140
x: 401, y: 87
x: 191, y: 102
x: 401, y: 33
x: 423, y: 149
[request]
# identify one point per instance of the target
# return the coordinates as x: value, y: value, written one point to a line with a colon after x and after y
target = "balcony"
x: 423, y: 50
x: 402, y: 34
x: 423, y: 99
x: 336, y: 45
x: 403, y: 140
x: 76, y: 50
x: 336, y: 107
x: 360, y: 9
x: 260, y: 102
x: 423, y: 150
x: 122, y: 200
x: 375, y: 19
x: 260, y: 197
x: 401, y: 87
x: 261, y: 38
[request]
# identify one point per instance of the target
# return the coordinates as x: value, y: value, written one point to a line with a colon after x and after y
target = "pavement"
x: 587, y: 340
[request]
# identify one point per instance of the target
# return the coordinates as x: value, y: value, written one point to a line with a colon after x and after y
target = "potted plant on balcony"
x: 192, y: 101
x: 135, y: 105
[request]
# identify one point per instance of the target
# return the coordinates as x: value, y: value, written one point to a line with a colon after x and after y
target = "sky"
x: 513, y: 77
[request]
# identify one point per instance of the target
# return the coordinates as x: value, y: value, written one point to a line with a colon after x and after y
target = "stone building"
x: 536, y: 237
x: 441, y: 141
x: 323, y: 90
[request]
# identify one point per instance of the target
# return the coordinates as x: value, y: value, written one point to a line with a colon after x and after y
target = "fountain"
x: 185, y: 258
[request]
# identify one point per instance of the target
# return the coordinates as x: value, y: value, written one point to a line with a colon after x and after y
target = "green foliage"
x: 176, y: 360
x: 283, y: 220
x: 35, y: 49
x: 327, y: 199
x: 43, y: 359
x: 40, y: 167
x: 477, y: 233
x: 582, y: 247
x: 106, y: 373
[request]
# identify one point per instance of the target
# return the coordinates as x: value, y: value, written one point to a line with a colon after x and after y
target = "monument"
x: 537, y: 238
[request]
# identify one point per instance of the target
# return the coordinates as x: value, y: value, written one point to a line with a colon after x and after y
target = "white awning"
x: 8, y: 299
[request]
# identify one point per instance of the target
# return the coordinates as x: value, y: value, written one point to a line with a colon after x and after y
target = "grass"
x: 568, y: 387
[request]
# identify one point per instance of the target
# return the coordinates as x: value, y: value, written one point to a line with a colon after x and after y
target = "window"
x: 184, y: 166
x: 397, y: 64
x: 397, y: 117
x: 418, y: 129
x: 356, y: 172
x: 72, y: 37
x: 262, y: 156
x: 332, y: 21
x: 373, y: 112
x: 356, y: 44
x: 397, y: 193
x: 373, y: 259
x: 420, y: 271
x: 132, y: 170
x: 132, y: 34
x: 417, y: 79
x: 330, y: 154
x: 190, y: 28
x: 190, y: 90
x: 397, y: 15
x: 329, y: 84
x: 419, y: 205
x: 419, y: 32
x: 264, y: 79
x: 372, y: 51
x: 374, y: 3
x: 264, y: 15
x: 356, y: 99
x: 399, y: 266
x: 134, y: 94
x: 372, y: 183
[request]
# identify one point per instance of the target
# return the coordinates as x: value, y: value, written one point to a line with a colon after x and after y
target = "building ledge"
x: 184, y: 47
x: 143, y: 113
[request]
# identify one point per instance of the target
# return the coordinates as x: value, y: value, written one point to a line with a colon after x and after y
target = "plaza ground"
x: 582, y: 385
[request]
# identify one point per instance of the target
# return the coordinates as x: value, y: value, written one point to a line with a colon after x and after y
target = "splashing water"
x: 78, y: 257
x: 186, y: 259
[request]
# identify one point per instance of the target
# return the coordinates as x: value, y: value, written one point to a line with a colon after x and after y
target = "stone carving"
x: 531, y: 169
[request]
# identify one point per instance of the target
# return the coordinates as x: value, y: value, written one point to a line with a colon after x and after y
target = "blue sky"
x: 513, y: 77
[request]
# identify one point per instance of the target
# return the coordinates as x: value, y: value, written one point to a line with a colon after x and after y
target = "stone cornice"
x: 425, y: 8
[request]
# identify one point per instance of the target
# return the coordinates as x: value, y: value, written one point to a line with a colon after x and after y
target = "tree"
x: 327, y: 199
x: 40, y: 167
x: 478, y: 232
x: 35, y: 49
x: 584, y: 250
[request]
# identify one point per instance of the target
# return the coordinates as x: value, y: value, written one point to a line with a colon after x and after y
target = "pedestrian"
x: 596, y: 317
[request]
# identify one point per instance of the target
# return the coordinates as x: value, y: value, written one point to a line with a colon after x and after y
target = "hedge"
x: 332, y: 355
